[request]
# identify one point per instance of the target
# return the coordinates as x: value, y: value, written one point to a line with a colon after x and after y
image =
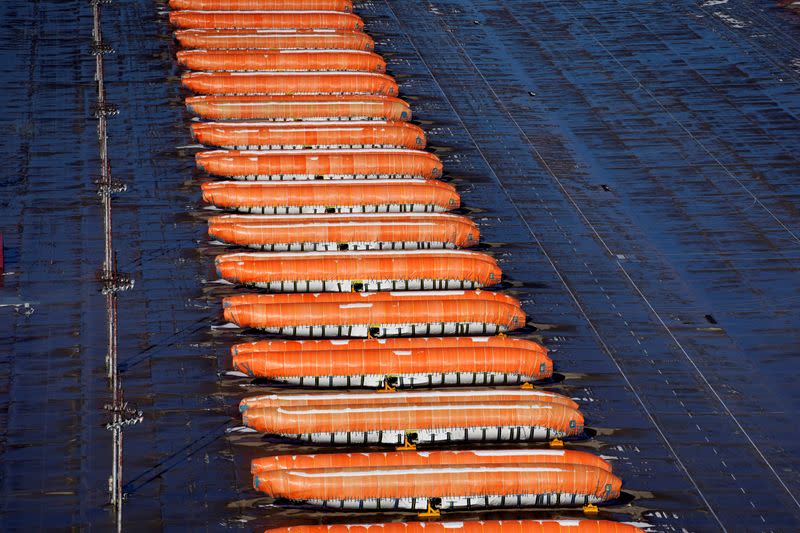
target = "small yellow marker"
x: 431, y: 512
x: 369, y: 331
x: 556, y: 443
x: 356, y: 285
x: 407, y: 446
x: 526, y: 386
x: 387, y: 387
x: 590, y: 509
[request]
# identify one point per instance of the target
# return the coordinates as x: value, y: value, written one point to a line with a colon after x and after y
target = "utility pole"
x: 112, y: 282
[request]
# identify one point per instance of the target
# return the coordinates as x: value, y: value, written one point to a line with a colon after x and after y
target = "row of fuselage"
x: 315, y: 156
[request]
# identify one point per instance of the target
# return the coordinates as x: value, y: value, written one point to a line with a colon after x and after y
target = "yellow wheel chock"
x: 407, y: 445
x: 430, y: 512
x: 356, y: 285
x: 370, y: 329
x: 590, y: 509
x: 387, y: 386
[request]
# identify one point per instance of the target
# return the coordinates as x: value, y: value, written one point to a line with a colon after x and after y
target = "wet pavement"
x: 632, y: 165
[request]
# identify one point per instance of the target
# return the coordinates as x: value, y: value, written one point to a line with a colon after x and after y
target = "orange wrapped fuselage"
x: 338, y: 196
x: 188, y: 19
x: 345, y: 232
x: 456, y: 487
x: 263, y: 5
x: 400, y: 362
x: 282, y: 61
x: 300, y: 108
x: 309, y: 135
x: 429, y: 458
x: 484, y: 526
x: 372, y: 163
x: 416, y: 346
x: 290, y: 83
x: 360, y: 271
x: 377, y: 314
x: 389, y: 398
x: 417, y: 422
x: 287, y: 39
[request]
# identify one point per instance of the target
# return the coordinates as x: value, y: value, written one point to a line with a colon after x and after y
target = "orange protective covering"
x: 266, y: 19
x: 354, y: 314
x: 418, y: 417
x: 414, y: 347
x: 281, y: 60
x: 313, y: 164
x: 353, y: 269
x: 337, y: 196
x: 415, y: 458
x: 371, y: 297
x: 439, y: 482
x: 263, y: 5
x: 290, y: 83
x: 355, y: 399
x: 345, y: 231
x: 310, y: 39
x: 328, y: 134
x: 387, y: 364
x: 486, y: 526
x: 300, y: 108
x: 382, y: 359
